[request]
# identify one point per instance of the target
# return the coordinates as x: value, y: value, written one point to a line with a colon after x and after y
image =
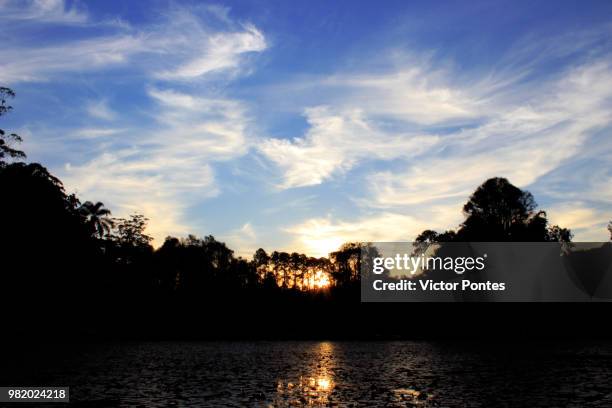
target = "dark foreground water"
x: 320, y: 374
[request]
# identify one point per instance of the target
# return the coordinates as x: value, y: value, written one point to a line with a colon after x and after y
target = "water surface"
x: 305, y: 373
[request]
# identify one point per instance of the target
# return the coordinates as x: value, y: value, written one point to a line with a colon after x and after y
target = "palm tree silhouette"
x: 96, y: 217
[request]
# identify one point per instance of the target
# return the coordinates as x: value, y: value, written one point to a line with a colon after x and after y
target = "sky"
x: 300, y: 125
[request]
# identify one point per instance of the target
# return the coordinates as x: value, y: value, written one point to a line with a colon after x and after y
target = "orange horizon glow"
x: 320, y: 280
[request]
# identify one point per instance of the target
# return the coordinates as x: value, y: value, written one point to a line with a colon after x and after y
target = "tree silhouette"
x: 499, y: 211
x: 558, y: 234
x: 346, y: 262
x: 7, y: 140
x: 610, y: 229
x: 96, y: 218
x: 496, y: 208
x: 44, y: 242
x: 131, y: 231
x: 45, y: 245
x: 297, y: 264
x: 260, y: 257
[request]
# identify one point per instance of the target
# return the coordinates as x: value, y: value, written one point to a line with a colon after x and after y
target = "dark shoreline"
x: 346, y: 321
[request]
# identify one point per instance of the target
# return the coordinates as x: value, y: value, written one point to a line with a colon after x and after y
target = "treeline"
x: 192, y: 265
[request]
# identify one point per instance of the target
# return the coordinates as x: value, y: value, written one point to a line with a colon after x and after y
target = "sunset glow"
x: 320, y: 280
x: 322, y: 245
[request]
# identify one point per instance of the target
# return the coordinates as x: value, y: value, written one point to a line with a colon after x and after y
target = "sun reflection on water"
x: 315, y: 386
x: 323, y: 384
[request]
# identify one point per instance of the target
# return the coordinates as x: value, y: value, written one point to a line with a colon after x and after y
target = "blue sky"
x: 301, y: 125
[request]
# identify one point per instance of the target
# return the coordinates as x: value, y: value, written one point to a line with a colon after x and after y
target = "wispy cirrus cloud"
x: 93, y: 132
x: 147, y: 182
x: 100, y: 109
x: 522, y: 142
x: 369, y: 117
x: 334, y: 143
x: 213, y: 128
x: 171, y: 168
x: 180, y: 47
x: 46, y: 11
x: 217, y: 52
x: 25, y: 64
x: 416, y: 92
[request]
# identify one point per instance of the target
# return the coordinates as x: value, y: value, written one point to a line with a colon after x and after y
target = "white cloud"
x: 522, y: 143
x: 40, y: 64
x: 216, y: 52
x: 149, y: 183
x: 243, y: 239
x: 181, y: 47
x: 334, y: 143
x: 371, y: 116
x: 419, y: 94
x: 100, y: 110
x: 588, y: 224
x: 169, y: 169
x: 48, y: 11
x: 215, y: 128
x: 92, y: 133
x: 522, y: 158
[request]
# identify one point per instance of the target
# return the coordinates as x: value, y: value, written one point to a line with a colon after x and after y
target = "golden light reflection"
x: 412, y: 397
x: 323, y: 384
x: 316, y: 388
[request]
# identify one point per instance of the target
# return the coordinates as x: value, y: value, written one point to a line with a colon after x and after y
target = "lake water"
x: 310, y: 373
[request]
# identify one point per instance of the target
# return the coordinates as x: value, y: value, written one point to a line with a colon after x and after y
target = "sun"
x: 321, y: 280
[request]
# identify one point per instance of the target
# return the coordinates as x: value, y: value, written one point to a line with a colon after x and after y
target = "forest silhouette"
x: 69, y: 267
